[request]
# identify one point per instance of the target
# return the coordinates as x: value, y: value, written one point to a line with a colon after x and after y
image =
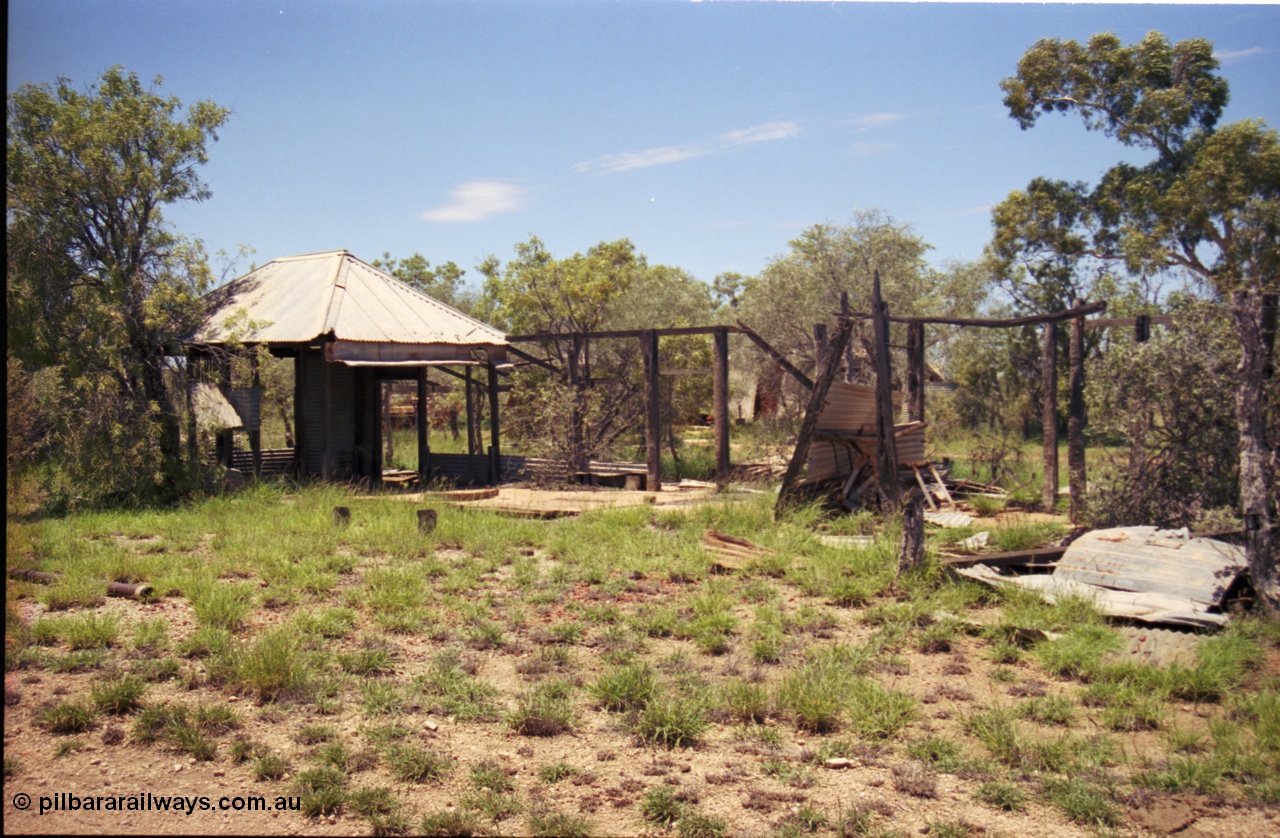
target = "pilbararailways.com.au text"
x: 148, y: 802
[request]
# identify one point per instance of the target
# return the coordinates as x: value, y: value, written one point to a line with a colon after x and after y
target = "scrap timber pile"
x: 842, y: 459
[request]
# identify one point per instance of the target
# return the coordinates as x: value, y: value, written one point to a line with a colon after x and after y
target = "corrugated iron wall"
x: 342, y: 427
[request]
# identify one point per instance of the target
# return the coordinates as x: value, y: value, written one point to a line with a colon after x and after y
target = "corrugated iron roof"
x: 300, y: 298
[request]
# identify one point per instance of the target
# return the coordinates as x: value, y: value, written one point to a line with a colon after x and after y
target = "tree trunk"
x: 911, y: 557
x: 1255, y: 481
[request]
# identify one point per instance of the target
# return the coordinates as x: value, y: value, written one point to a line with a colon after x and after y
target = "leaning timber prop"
x: 788, y: 491
x: 113, y: 588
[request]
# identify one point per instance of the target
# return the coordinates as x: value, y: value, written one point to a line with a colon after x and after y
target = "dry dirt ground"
x: 751, y: 785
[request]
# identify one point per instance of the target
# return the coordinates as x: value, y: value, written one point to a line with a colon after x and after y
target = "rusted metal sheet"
x: 1156, y: 561
x: 302, y: 298
x: 1143, y: 573
x: 947, y: 520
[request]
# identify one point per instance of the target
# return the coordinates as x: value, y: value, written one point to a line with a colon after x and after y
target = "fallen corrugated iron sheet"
x: 948, y: 520
x: 1157, y: 576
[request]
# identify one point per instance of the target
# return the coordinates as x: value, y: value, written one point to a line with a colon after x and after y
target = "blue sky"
x: 709, y: 134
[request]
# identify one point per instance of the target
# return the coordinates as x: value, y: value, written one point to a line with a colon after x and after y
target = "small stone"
x: 503, y: 755
x: 431, y: 726
x: 219, y: 773
x: 333, y: 819
x: 95, y: 762
x: 233, y: 698
x: 177, y: 767
x: 838, y: 762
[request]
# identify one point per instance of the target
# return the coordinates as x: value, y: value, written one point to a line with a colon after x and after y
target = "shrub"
x: 671, y: 721
x: 542, y: 711
x: 120, y: 696
x: 558, y: 825
x: 660, y: 806
x: 458, y: 823
x: 414, y: 764
x: 67, y: 717
x: 270, y: 767
x: 625, y: 688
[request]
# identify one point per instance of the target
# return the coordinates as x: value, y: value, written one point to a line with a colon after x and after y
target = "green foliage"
x: 271, y: 666
x: 1003, y: 795
x: 543, y: 711
x: 625, y: 688
x: 672, y: 721
x: 451, y: 823
x: 97, y: 285
x: 120, y: 696
x: 323, y: 791
x: 544, y: 824
x: 67, y: 717
x: 415, y: 764
x: 660, y: 806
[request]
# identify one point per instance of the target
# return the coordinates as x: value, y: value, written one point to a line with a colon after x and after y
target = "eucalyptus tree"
x: 97, y: 282
x: 1207, y: 202
x: 598, y: 384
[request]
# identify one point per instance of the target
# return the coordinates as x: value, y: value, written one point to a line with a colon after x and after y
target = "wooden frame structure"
x: 350, y: 328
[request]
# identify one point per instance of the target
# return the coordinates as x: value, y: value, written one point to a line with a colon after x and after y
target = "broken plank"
x: 927, y: 494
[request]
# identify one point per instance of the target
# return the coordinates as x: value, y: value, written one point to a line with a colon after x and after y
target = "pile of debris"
x: 843, y: 455
x: 1141, y: 573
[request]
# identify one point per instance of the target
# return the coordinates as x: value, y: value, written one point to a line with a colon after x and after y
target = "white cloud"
x: 871, y: 121
x: 761, y: 133
x: 663, y: 155
x: 1233, y: 54
x: 477, y: 200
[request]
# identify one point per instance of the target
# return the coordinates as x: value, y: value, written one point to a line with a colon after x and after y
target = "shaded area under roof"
x: 368, y: 316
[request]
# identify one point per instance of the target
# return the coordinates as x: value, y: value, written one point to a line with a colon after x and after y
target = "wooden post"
x: 495, y: 445
x: 421, y: 419
x: 426, y: 521
x: 1075, y: 420
x: 915, y: 372
x: 886, y: 446
x: 1049, y: 414
x: 720, y: 379
x: 193, y: 428
x: 388, y: 427
x: 1141, y: 328
x: 817, y: 397
x: 848, y: 351
x: 371, y: 380
x: 255, y: 435
x: 577, y: 462
x: 652, y: 410
x: 326, y: 418
x: 819, y: 345
x: 301, y: 441
x: 911, y: 556
x: 226, y: 443
x: 471, y: 422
